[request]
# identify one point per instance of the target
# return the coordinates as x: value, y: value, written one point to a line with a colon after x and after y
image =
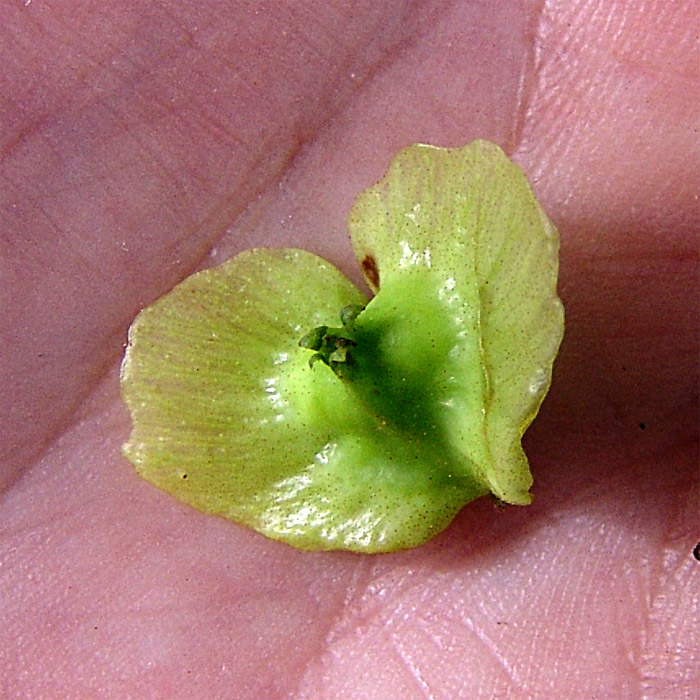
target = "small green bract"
x: 270, y: 391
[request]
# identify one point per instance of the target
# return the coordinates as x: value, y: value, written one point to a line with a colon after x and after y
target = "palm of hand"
x: 127, y: 164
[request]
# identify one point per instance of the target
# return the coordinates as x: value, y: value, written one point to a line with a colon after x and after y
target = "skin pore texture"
x: 143, y: 142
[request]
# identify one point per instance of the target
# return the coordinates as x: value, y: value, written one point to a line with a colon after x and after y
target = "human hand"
x: 143, y: 142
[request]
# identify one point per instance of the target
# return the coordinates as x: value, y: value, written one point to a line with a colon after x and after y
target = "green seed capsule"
x: 368, y: 436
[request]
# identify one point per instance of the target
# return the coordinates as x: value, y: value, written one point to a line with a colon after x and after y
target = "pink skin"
x: 140, y: 143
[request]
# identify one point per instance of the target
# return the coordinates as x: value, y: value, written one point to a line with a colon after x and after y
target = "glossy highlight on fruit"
x: 270, y: 391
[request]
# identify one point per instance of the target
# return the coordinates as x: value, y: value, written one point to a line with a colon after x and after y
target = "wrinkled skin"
x: 142, y: 142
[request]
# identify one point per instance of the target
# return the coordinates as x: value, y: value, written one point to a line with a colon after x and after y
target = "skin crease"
x: 142, y: 142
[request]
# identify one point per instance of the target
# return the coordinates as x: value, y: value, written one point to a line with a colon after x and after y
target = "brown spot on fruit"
x: 369, y: 267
